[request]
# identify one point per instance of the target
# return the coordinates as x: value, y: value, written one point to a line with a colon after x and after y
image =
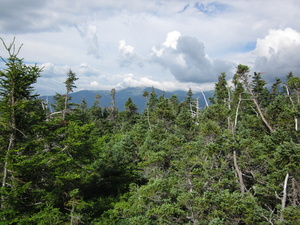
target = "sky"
x: 170, y: 45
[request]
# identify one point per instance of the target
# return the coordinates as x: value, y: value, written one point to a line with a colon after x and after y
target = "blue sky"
x: 178, y: 44
x: 212, y: 8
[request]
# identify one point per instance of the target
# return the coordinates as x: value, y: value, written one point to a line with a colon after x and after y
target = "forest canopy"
x: 236, y: 161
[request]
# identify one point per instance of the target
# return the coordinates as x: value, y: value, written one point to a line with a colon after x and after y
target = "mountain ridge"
x: 135, y: 93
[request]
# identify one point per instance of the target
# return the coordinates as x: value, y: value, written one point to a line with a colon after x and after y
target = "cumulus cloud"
x: 125, y: 50
x: 54, y: 71
x: 88, y: 32
x: 186, y: 59
x: 130, y: 80
x: 128, y: 56
x: 48, y: 69
x: 172, y: 39
x: 278, y: 53
x: 126, y: 53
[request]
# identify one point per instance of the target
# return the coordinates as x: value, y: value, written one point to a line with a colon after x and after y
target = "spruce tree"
x: 259, y: 90
x: 130, y: 107
x: 221, y: 90
x: 20, y: 111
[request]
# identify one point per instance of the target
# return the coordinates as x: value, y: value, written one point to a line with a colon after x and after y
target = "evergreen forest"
x: 236, y: 161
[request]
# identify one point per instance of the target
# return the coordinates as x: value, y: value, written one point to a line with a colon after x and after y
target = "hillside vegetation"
x: 235, y: 161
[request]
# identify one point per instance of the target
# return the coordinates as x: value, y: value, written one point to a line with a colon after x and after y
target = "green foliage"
x: 259, y: 89
x: 47, y: 215
x: 221, y: 90
x: 59, y: 102
x: 172, y: 164
x: 70, y: 81
x: 130, y: 107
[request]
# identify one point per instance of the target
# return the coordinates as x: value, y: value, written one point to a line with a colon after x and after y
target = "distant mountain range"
x: 122, y: 96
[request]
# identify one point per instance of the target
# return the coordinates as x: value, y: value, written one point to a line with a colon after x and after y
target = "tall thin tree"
x: 70, y: 84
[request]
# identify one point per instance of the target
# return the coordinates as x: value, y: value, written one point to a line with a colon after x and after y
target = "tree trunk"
x: 294, y: 196
x: 260, y: 112
x: 239, y: 174
x: 283, y: 200
x: 288, y: 93
x: 258, y: 107
x: 5, y: 169
x: 236, y: 115
x: 206, y: 103
x: 229, y: 123
x: 65, y: 106
x: 11, y: 144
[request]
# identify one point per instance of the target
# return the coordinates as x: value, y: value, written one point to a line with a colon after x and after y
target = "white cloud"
x: 172, y: 39
x: 130, y: 80
x: 94, y: 84
x: 171, y: 42
x: 125, y: 50
x: 127, y: 54
x: 48, y: 69
x: 52, y: 71
x: 186, y: 59
x: 85, y: 70
x: 278, y: 53
x: 85, y: 36
x: 88, y: 32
